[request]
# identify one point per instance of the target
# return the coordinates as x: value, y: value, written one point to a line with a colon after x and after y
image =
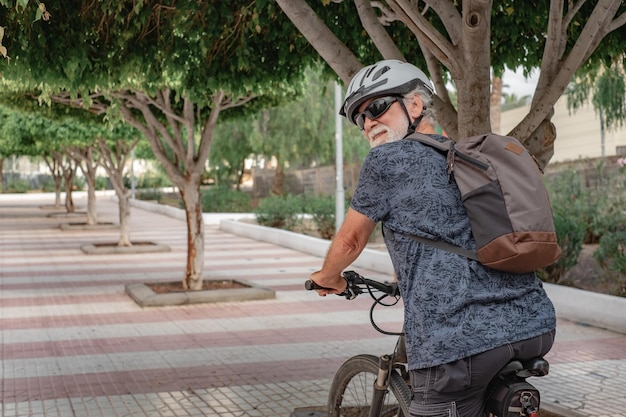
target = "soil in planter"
x: 115, y: 245
x: 169, y: 287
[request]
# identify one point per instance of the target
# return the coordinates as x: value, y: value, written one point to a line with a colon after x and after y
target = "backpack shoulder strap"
x: 433, y: 143
x: 439, y: 244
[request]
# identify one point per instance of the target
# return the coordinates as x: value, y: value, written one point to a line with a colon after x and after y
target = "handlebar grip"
x: 349, y: 293
x: 311, y: 285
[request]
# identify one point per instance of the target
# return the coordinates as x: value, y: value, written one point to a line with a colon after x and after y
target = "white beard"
x: 382, y: 134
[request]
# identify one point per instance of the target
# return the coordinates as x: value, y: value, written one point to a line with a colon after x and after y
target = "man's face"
x: 390, y: 126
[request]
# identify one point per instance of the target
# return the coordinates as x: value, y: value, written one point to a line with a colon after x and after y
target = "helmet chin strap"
x: 412, y: 125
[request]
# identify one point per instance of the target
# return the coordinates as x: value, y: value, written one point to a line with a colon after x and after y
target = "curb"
x: 138, y: 247
x: 591, y: 308
x: 375, y: 260
x: 144, y: 296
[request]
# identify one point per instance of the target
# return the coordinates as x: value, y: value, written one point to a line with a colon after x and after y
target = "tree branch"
x: 430, y: 38
x: 385, y: 45
x: 95, y: 107
x: 331, y: 49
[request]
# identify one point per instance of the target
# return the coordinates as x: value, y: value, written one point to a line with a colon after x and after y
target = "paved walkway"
x: 74, y: 344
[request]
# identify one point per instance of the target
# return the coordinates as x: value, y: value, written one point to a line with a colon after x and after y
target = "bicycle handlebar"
x: 357, y: 284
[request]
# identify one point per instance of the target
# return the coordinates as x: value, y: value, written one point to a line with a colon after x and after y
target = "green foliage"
x: 16, y: 186
x: 47, y: 185
x: 611, y: 253
x: 570, y: 234
x: 605, y: 89
x: 149, y: 180
x: 588, y: 212
x: 225, y: 200
x: 230, y: 148
x: 102, y: 183
x: 79, y: 184
x: 301, y: 133
x: 322, y: 211
x: 595, y: 206
x: 192, y: 48
x: 290, y: 211
x: 282, y: 212
x: 150, y: 195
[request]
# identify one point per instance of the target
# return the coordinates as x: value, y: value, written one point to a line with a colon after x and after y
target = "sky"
x: 515, y: 82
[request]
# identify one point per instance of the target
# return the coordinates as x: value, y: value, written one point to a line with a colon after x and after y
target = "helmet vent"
x: 380, y: 72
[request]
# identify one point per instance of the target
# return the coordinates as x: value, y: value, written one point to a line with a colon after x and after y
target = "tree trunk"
x: 496, y: 103
x: 123, y: 204
x: 195, y: 233
x: 58, y: 184
x: 69, y: 201
x: 86, y: 161
x: 55, y: 164
x: 69, y: 173
x: 1, y: 168
x: 240, y: 173
x: 92, y: 215
x: 278, y: 185
x: 112, y: 157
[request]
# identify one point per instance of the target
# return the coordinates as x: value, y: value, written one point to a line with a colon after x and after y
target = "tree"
x: 301, y: 133
x: 115, y: 147
x: 465, y: 41
x: 170, y: 70
x: 231, y: 147
x: 29, y: 133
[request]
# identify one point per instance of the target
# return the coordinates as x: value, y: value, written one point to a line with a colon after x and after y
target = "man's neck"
x: 425, y: 128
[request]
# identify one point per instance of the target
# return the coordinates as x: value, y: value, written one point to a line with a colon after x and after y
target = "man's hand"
x: 331, y: 286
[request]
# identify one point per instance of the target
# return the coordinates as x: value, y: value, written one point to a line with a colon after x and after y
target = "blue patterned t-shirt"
x: 454, y: 307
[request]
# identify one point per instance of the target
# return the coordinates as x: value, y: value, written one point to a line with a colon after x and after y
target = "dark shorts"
x: 459, y: 389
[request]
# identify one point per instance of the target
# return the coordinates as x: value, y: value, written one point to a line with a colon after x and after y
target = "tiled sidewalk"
x: 74, y: 344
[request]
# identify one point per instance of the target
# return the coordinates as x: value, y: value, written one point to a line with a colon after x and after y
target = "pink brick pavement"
x: 70, y: 331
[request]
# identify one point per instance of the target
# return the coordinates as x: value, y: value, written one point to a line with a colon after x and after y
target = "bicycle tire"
x: 351, y: 390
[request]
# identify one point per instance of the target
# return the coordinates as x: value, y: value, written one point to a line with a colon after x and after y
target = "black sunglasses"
x: 374, y: 110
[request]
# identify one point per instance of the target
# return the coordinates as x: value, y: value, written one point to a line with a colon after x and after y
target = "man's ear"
x: 416, y: 107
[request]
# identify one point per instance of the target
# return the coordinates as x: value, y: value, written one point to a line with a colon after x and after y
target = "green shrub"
x: 611, y: 252
x: 47, y: 185
x: 150, y: 195
x: 79, y: 184
x: 595, y: 207
x: 17, y: 187
x: 322, y: 211
x: 225, y: 200
x: 102, y: 183
x: 570, y: 234
x: 280, y: 211
x: 149, y: 180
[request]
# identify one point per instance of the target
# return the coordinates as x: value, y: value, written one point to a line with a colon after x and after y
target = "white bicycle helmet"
x: 390, y: 77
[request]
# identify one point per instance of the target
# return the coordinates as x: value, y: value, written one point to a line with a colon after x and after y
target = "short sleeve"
x: 370, y: 196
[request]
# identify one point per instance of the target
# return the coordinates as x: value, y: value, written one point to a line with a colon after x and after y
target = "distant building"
x: 578, y: 135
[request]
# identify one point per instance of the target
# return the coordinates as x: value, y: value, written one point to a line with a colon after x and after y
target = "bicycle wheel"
x: 352, y: 389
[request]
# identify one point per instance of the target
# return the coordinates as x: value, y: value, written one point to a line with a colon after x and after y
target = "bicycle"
x: 379, y: 386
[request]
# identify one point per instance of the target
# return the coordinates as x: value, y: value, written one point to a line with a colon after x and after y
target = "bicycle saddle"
x: 534, y: 367
x: 530, y: 367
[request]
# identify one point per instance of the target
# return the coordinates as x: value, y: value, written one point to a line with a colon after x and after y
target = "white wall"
x: 577, y: 134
